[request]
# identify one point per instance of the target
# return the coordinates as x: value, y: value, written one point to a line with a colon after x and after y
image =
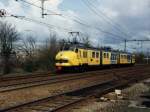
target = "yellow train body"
x: 67, y: 58
x: 106, y: 58
x: 79, y: 57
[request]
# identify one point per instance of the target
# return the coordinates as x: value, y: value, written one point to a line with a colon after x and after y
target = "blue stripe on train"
x: 113, y: 61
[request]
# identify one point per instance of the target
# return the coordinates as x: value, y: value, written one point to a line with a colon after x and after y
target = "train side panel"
x: 114, y: 58
x: 89, y: 57
x: 106, y: 58
x: 83, y: 57
x: 94, y: 58
x: 123, y: 59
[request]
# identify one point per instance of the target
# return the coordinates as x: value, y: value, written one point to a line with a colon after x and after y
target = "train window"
x: 97, y: 55
x: 80, y: 54
x: 115, y: 57
x: 125, y: 57
x: 76, y: 50
x: 121, y: 56
x: 93, y: 54
x: 112, y: 56
x: 129, y: 57
x: 84, y: 54
x: 107, y: 55
x: 87, y: 54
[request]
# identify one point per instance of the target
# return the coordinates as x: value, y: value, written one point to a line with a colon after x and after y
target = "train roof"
x: 107, y: 49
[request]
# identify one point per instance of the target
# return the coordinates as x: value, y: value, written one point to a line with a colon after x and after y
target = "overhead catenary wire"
x: 127, y: 32
x: 77, y: 21
x: 117, y: 26
x: 39, y: 22
x: 100, y: 14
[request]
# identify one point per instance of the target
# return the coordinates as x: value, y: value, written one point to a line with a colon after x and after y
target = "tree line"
x: 27, y: 54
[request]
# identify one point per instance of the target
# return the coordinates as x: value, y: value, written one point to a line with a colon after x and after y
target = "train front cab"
x: 65, y: 60
x: 78, y: 59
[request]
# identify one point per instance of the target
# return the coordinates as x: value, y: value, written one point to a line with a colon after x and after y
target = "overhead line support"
x: 134, y: 40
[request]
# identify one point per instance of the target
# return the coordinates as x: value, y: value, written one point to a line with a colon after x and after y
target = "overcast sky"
x: 107, y: 22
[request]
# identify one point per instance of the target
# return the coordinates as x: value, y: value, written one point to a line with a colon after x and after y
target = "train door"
x: 129, y: 58
x: 113, y: 58
x: 90, y: 57
x: 79, y: 55
x: 118, y: 59
x: 85, y: 57
x: 106, y: 58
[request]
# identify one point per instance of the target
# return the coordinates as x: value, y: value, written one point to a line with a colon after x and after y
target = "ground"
x: 129, y: 101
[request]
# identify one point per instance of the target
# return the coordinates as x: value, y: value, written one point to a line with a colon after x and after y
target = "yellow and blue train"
x: 77, y: 57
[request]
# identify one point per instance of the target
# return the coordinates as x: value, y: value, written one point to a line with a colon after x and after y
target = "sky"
x: 106, y: 22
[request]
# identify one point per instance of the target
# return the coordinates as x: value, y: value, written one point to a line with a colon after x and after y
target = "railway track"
x: 45, y: 82
x: 6, y: 81
x: 21, y: 83
x: 63, y: 101
x: 36, y: 76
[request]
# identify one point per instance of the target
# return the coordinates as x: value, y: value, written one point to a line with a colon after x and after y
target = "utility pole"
x: 43, y: 13
x: 42, y: 5
x: 3, y: 12
x: 125, y: 45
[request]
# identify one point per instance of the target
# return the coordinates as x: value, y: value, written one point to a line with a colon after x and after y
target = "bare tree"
x: 48, y: 52
x: 86, y: 41
x: 29, y: 46
x: 140, y: 58
x: 29, y: 50
x: 8, y: 38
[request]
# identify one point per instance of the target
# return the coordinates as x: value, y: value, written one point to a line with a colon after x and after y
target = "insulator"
x: 2, y: 12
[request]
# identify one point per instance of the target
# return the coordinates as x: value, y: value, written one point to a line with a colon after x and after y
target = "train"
x: 80, y: 58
